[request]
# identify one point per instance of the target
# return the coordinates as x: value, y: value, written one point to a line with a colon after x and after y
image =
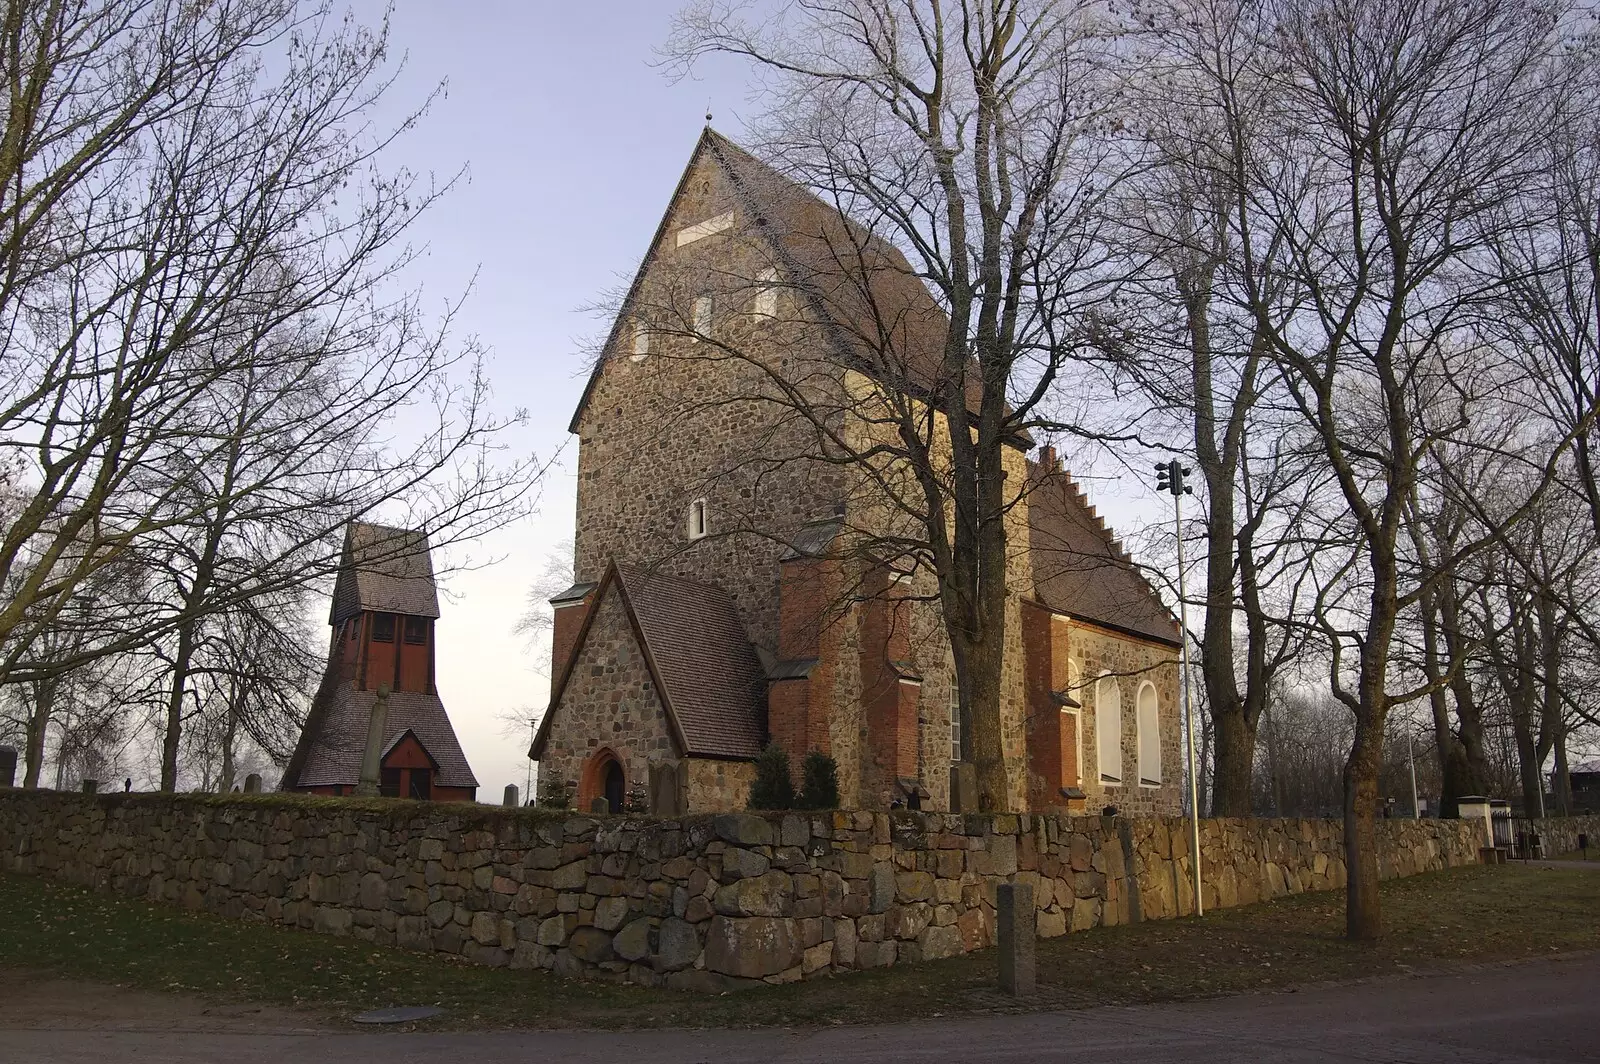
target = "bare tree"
x: 971, y: 147
x: 203, y: 359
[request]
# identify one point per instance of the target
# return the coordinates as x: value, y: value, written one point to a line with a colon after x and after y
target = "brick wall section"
x: 709, y: 902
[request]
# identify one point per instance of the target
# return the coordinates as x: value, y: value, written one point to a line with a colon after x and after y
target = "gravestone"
x: 1016, y: 919
x: 252, y: 783
x: 964, y: 787
x: 90, y: 786
x: 665, y: 794
x: 599, y: 805
x: 8, y: 766
x: 511, y: 796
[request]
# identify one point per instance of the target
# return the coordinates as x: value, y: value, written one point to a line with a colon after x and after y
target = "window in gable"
x: 702, y: 318
x: 698, y: 528
x: 766, y: 305
x: 641, y: 341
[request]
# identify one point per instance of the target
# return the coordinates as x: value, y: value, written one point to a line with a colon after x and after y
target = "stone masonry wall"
x: 710, y: 902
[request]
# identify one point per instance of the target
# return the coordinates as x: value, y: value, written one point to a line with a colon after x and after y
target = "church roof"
x: 1080, y: 568
x: 706, y: 672
x: 384, y: 569
x: 884, y: 320
x: 335, y: 737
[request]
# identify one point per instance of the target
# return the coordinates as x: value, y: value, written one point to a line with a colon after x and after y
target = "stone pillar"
x: 8, y: 766
x: 90, y: 786
x: 252, y: 783
x: 372, y: 759
x: 1016, y: 920
x: 510, y: 799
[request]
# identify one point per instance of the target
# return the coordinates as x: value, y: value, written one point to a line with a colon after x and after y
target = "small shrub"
x: 772, y: 789
x: 819, y: 783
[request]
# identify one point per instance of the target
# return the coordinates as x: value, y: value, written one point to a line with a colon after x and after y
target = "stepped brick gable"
x: 724, y: 599
x: 384, y: 614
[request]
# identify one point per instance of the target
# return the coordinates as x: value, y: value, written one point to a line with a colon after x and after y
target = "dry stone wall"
x: 709, y: 902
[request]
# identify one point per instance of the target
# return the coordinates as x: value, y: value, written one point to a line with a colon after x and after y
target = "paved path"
x: 1540, y: 1011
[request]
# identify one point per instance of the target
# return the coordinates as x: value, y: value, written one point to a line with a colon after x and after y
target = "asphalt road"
x: 1539, y: 1011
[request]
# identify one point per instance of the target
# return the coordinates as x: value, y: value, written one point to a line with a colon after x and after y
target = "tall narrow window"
x: 641, y: 341
x: 1149, y: 722
x: 702, y: 318
x: 766, y: 294
x: 1108, y: 729
x: 698, y: 528
x: 955, y: 718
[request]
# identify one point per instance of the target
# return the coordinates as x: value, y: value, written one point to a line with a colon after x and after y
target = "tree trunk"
x: 173, y: 732
x: 988, y: 750
x: 1363, y: 914
x: 228, y: 736
x: 1235, y: 758
x: 44, y: 697
x: 1563, y: 780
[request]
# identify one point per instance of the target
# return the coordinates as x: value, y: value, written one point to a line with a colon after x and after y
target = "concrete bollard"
x: 510, y: 799
x: 252, y: 783
x: 1017, y: 924
x: 90, y: 786
x: 8, y: 766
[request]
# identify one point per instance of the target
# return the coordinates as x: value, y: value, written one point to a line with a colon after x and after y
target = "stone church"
x: 719, y: 603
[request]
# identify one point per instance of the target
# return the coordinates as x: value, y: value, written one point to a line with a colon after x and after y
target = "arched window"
x: 698, y: 528
x: 1149, y: 725
x: 641, y: 341
x: 1108, y: 729
x: 1072, y: 729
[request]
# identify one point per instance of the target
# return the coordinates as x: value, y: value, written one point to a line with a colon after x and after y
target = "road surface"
x: 1546, y: 1010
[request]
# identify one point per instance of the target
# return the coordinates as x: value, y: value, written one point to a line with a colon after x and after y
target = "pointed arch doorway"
x: 603, y: 778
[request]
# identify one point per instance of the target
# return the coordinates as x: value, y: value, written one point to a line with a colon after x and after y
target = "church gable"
x: 606, y: 699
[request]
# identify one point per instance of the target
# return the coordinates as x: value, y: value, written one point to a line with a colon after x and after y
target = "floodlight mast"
x: 1172, y: 477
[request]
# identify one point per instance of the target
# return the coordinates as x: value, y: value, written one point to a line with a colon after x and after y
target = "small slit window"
x: 702, y: 317
x: 698, y: 527
x: 641, y: 341
x: 955, y: 719
x: 417, y: 630
x: 383, y: 627
x: 354, y: 626
x: 766, y: 305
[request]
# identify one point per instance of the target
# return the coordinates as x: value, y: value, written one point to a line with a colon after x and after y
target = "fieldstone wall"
x: 708, y: 902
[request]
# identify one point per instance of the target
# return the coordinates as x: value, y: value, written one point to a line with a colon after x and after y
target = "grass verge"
x: 1435, y: 921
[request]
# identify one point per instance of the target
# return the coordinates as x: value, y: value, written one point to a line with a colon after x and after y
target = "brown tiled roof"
x: 1080, y: 569
x: 884, y: 319
x: 335, y: 737
x: 707, y: 673
x: 384, y: 569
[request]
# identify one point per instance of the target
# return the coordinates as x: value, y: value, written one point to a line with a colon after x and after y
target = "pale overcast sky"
x: 573, y: 143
